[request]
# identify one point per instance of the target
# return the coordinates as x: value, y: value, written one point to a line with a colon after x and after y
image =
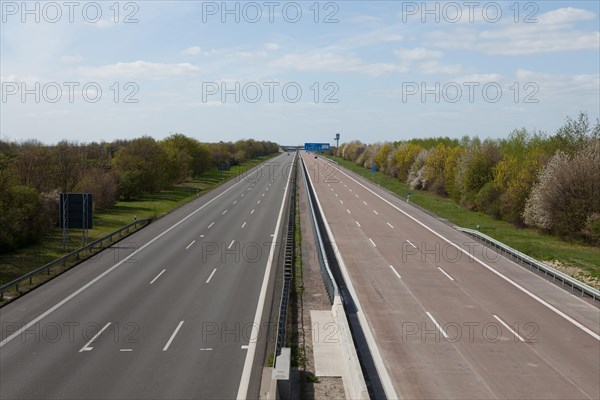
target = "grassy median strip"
x: 576, y: 259
x: 18, y: 263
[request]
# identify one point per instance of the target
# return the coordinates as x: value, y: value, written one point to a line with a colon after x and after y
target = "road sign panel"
x: 316, y: 146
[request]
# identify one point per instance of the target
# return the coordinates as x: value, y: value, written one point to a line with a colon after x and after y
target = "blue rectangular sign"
x: 316, y: 146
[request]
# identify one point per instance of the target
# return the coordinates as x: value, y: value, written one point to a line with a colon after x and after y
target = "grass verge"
x: 50, y: 247
x: 576, y: 259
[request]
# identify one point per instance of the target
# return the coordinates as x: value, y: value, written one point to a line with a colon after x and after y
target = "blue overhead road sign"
x: 316, y: 146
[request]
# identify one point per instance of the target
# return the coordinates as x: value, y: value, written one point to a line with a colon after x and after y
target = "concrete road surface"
x: 451, y: 319
x: 166, y: 314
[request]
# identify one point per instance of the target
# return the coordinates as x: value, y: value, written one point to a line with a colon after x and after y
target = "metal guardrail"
x: 69, y: 260
x: 349, y: 326
x: 289, y: 255
x: 522, y: 258
x: 330, y: 284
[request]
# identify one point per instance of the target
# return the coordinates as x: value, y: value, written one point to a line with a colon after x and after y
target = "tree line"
x: 551, y: 182
x: 32, y: 175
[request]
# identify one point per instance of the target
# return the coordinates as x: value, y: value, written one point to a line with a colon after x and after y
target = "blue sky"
x: 370, y: 70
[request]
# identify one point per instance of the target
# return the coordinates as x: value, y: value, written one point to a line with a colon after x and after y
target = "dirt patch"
x: 577, y: 273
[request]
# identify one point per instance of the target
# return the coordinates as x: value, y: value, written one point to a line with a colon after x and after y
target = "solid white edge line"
x: 396, y: 272
x: 211, y: 275
x: 509, y: 328
x: 157, y: 276
x: 172, y: 336
x: 247, y: 370
x: 436, y: 324
x: 445, y: 273
x: 102, y: 275
x: 86, y: 347
x: 485, y: 265
x: 191, y: 244
x: 384, y: 376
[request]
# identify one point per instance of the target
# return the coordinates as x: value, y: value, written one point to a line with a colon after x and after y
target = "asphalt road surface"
x: 167, y: 314
x: 450, y: 323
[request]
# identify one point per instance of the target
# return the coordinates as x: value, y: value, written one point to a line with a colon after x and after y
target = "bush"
x: 487, y: 200
x: 567, y: 194
x: 103, y: 186
x: 591, y: 230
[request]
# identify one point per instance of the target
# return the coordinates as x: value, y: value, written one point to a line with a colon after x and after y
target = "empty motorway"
x: 172, y: 312
x: 449, y: 318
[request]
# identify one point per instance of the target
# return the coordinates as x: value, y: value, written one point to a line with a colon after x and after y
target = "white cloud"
x: 272, y: 46
x: 386, y: 93
x: 71, y: 59
x: 209, y: 104
x: 566, y: 16
x: 59, y: 113
x: 140, y: 69
x: 235, y: 53
x: 191, y: 51
x: 553, y: 33
x: 436, y: 67
x: 331, y: 62
x: 363, y: 19
x: 30, y: 81
x: 104, y: 23
x: 418, y: 53
x: 480, y: 78
x: 371, y: 38
x: 579, y: 88
x: 425, y: 61
x: 527, y: 87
